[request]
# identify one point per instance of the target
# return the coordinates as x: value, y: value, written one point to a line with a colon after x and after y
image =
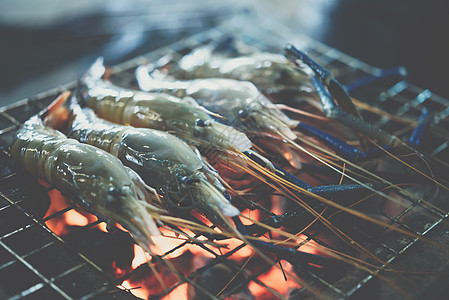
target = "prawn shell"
x: 267, y: 71
x: 166, y: 113
x: 83, y: 173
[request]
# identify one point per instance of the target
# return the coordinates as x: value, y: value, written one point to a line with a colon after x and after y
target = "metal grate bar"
x: 389, y: 261
x: 60, y: 212
x: 42, y: 277
x: 15, y: 231
x: 29, y: 253
x: 28, y: 291
x: 30, y: 267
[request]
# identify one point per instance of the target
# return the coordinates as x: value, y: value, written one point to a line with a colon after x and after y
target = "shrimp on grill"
x: 87, y: 175
x: 116, y: 107
x: 270, y: 72
x: 249, y: 111
x: 162, y: 160
x: 240, y: 102
x: 182, y: 117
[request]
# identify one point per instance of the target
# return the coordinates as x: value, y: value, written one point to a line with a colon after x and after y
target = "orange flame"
x: 273, y: 279
x: 60, y: 224
x: 144, y: 287
x: 179, y: 293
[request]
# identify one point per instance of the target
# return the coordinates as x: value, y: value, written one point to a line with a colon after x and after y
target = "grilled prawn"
x: 162, y: 160
x: 268, y: 71
x: 240, y: 102
x: 182, y: 117
x: 86, y: 174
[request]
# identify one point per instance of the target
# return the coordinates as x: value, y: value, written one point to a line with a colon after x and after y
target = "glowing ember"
x: 168, y: 241
x: 309, y: 246
x: 143, y: 283
x: 140, y: 257
x: 273, y: 278
x: 179, y: 293
x: 254, y: 215
x: 74, y: 218
x: 102, y: 226
x: 242, y: 253
x: 138, y: 292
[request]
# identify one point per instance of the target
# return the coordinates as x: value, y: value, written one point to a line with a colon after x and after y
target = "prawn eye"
x: 243, y: 114
x: 200, y: 123
x: 114, y: 192
x: 186, y: 180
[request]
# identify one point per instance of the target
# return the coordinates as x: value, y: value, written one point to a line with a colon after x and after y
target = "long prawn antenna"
x: 290, y: 254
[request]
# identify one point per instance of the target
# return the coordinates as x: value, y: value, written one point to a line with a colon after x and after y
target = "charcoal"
x: 219, y: 279
x: 103, y: 248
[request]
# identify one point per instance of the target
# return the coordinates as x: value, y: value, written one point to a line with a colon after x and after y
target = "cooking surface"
x: 398, y: 98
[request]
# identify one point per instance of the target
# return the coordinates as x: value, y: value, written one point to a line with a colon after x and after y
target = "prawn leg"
x: 347, y: 151
x: 384, y: 74
x: 352, y: 153
x: 418, y: 133
x: 345, y: 111
x: 144, y: 190
x: 326, y: 77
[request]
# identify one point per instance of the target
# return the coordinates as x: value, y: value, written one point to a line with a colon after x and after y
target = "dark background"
x: 386, y: 33
x: 39, y: 52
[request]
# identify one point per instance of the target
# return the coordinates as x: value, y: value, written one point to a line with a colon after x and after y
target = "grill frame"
x: 273, y: 35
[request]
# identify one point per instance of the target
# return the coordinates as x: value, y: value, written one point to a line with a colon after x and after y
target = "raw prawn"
x: 240, y: 102
x: 182, y: 117
x: 162, y: 160
x: 270, y: 72
x: 250, y: 111
x: 265, y: 113
x: 88, y: 175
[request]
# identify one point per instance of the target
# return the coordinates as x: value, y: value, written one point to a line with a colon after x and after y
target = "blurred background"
x: 46, y: 43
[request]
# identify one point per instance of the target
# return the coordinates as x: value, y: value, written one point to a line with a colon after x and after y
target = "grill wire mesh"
x: 36, y: 263
x: 400, y: 98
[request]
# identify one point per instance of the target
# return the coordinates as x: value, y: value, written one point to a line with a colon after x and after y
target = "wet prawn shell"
x: 161, y: 159
x: 244, y: 106
x: 33, y: 148
x: 79, y: 171
x: 183, y: 117
x: 108, y: 102
x: 156, y: 111
x: 265, y: 70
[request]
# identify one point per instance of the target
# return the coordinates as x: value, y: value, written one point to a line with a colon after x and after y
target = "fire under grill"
x: 36, y: 263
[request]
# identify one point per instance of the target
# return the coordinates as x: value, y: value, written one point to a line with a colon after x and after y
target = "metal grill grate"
x: 400, y: 98
x: 36, y: 263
